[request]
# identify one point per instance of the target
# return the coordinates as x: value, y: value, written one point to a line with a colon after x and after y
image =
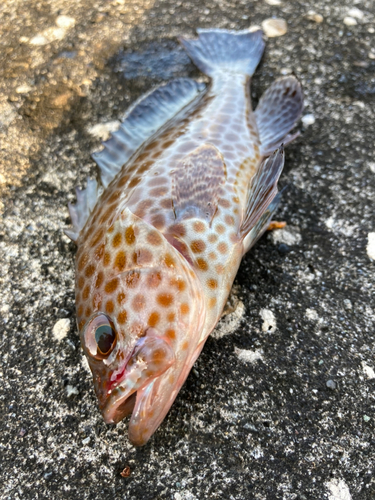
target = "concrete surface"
x: 280, y: 405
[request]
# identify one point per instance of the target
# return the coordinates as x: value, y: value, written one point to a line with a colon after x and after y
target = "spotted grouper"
x: 188, y: 184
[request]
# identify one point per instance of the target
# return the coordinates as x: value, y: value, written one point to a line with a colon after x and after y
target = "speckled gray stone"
x: 248, y: 427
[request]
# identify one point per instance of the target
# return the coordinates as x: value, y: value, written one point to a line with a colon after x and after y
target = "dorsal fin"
x: 79, y: 213
x: 144, y: 118
x: 197, y: 181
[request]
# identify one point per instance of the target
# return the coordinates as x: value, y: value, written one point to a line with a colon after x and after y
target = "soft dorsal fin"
x: 262, y: 191
x: 197, y: 182
x: 278, y: 110
x: 142, y: 120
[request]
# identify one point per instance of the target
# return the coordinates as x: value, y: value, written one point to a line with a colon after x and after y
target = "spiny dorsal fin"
x: 263, y: 189
x: 79, y: 213
x: 278, y: 110
x: 197, y: 181
x: 142, y: 120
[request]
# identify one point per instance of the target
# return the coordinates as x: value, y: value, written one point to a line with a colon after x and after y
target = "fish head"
x: 141, y: 313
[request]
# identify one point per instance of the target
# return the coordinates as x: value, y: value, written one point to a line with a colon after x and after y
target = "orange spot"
x: 212, y: 256
x: 211, y: 283
x: 116, y: 240
x: 202, y: 264
x: 179, y: 283
x: 122, y: 181
x: 222, y: 247
x: 229, y: 220
x: 122, y: 317
x: 169, y: 260
x: 153, y: 319
x: 224, y: 203
x: 165, y: 299
x: 236, y: 199
x: 86, y: 292
x: 88, y: 311
x: 121, y: 298
x: 111, y: 229
x: 233, y: 238
x: 80, y: 310
x: 184, y: 308
x: 165, y: 203
x: 82, y: 261
x: 132, y: 279
x: 154, y: 279
x: 139, y: 302
x: 220, y: 229
x: 129, y: 235
x: 212, y: 302
x: 81, y: 324
x: 158, y: 221
x: 199, y: 227
x: 106, y: 259
x: 81, y: 281
x: 178, y: 230
x: 99, y: 280
x: 154, y: 238
x: 99, y: 252
x: 171, y: 334
x: 89, y: 271
x: 171, y: 317
x: 109, y: 307
x: 185, y: 345
x: 111, y: 286
x: 114, y: 197
x: 212, y: 238
x: 158, y: 356
x: 158, y: 192
x: 219, y: 269
x: 197, y: 246
x: 120, y: 260
x: 142, y: 256
x: 134, y: 182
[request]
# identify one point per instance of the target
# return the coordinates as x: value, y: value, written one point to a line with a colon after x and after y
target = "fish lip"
x: 114, y: 401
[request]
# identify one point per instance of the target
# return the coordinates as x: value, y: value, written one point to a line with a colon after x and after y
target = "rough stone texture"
x: 267, y: 428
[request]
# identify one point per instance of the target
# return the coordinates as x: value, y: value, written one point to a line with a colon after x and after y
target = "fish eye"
x: 99, y: 337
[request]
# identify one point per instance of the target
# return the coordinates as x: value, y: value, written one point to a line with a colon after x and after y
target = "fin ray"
x: 262, y: 191
x: 218, y: 50
x: 278, y: 110
x: 142, y: 120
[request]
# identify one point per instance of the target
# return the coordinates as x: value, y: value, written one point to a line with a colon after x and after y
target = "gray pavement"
x: 280, y: 405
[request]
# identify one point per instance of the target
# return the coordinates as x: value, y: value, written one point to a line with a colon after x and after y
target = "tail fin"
x: 217, y: 51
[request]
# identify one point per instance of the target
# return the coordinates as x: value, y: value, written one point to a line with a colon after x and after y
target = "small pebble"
x: 65, y: 22
x: 313, y: 16
x: 308, y: 120
x: 354, y: 12
x: 24, y: 89
x: 273, y: 2
x: 371, y: 246
x: 71, y: 391
x: 350, y: 21
x: 61, y: 328
x: 331, y: 384
x: 86, y: 441
x: 274, y: 27
x: 366, y: 418
x: 283, y: 248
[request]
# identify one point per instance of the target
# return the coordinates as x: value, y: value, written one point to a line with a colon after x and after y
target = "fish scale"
x: 187, y: 188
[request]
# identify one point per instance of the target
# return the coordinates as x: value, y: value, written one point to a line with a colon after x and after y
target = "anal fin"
x: 197, y: 182
x: 261, y: 195
x: 144, y: 118
x: 277, y: 112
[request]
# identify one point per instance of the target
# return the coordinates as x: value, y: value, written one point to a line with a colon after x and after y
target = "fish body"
x: 189, y: 183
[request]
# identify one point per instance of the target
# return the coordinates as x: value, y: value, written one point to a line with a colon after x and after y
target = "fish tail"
x: 217, y: 51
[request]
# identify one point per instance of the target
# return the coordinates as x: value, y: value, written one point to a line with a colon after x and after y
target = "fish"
x: 188, y: 184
